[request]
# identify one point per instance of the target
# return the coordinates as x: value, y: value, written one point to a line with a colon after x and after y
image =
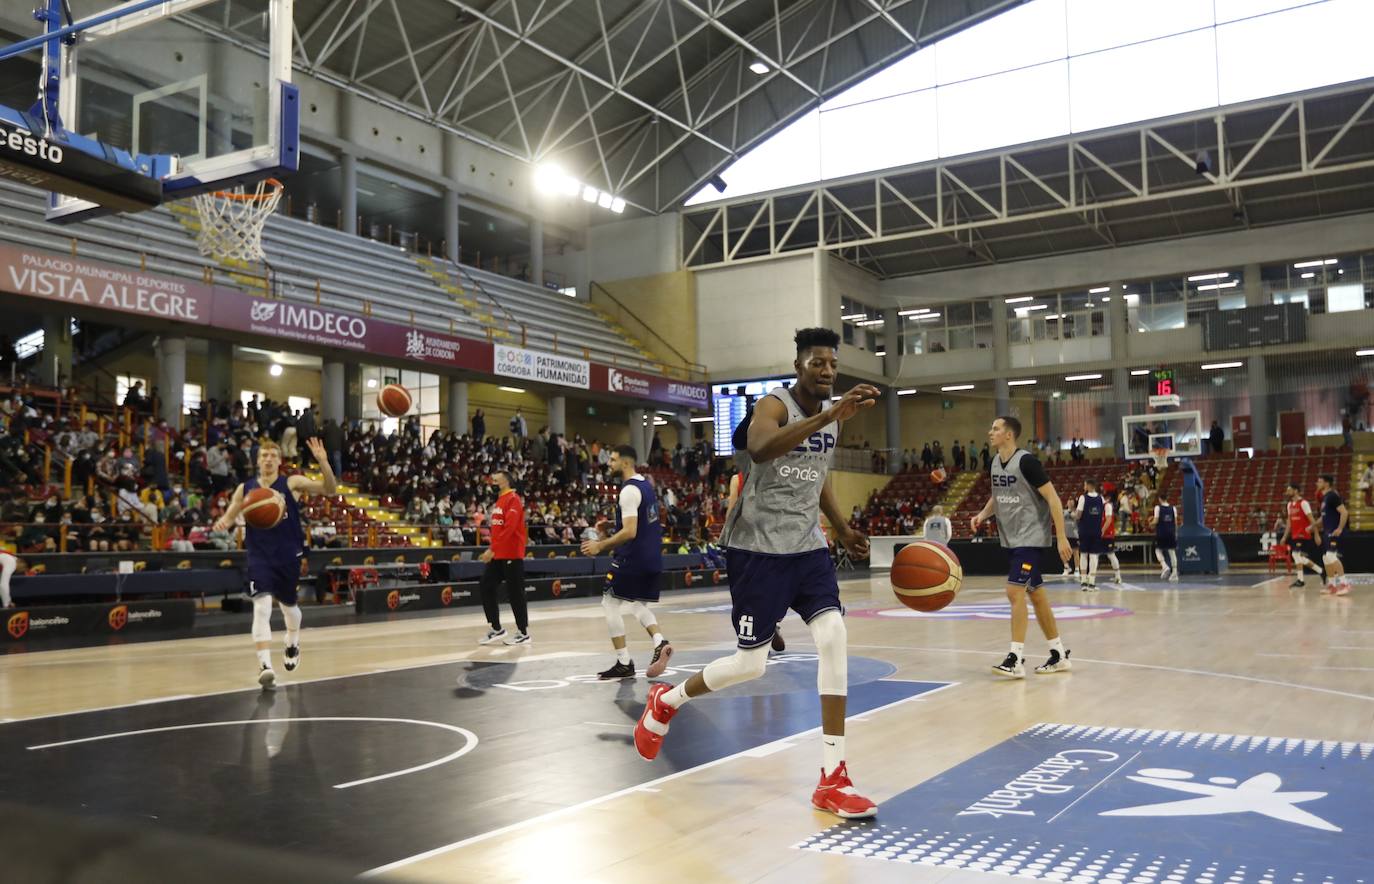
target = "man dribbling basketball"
x: 274, y: 554
x: 778, y: 558
x: 1030, y: 517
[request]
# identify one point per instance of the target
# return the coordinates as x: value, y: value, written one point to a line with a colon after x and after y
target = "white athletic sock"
x: 658, y: 639
x: 265, y: 658
x: 1173, y: 560
x: 1092, y: 567
x: 1116, y: 563
x: 1057, y: 644
x: 1019, y: 649
x: 832, y: 752
x: 622, y: 655
x: 676, y: 696
x: 1083, y: 565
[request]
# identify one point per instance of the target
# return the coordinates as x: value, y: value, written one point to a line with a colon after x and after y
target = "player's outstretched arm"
x: 770, y: 437
x: 328, y: 484
x: 231, y: 514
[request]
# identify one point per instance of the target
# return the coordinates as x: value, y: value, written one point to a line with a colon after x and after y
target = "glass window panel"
x: 298, y: 403
x: 1017, y: 38
x: 1232, y: 300
x: 1144, y: 81
x: 982, y: 312
x: 961, y: 338
x: 1011, y: 108
x: 192, y: 395
x: 1248, y: 50
x: 909, y: 134
x: 911, y: 74
x: 1340, y: 298
x: 789, y: 157
x: 960, y: 314
x: 410, y: 380
x: 429, y: 400
x: 1094, y: 25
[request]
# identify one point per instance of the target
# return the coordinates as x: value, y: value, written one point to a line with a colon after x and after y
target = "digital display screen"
x: 1164, y: 384
x: 732, y: 402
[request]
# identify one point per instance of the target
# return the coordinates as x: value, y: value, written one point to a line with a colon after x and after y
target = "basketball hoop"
x: 231, y: 221
x: 1161, y: 456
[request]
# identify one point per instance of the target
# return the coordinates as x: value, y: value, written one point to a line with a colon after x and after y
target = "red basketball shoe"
x: 653, y: 722
x: 836, y: 794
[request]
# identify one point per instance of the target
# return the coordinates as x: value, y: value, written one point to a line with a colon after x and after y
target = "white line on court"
x: 447, y: 661
x: 470, y: 739
x: 1095, y: 785
x: 1250, y: 678
x: 563, y: 811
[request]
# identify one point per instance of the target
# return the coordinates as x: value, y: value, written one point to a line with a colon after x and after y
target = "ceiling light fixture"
x: 1301, y: 264
x: 1099, y: 290
x: 1083, y: 377
x: 1022, y: 383
x: 954, y: 388
x: 1203, y: 277
x: 511, y: 389
x: 853, y: 316
x: 912, y: 392
x: 1137, y: 372
x: 1214, y: 366
x: 758, y: 67
x: 1021, y: 300
x: 1308, y: 275
x: 704, y: 420
x: 1219, y: 285
x: 915, y: 312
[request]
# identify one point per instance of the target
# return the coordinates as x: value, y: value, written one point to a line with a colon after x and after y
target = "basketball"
x: 263, y: 508
x: 938, y: 476
x: 926, y: 575
x: 393, y: 400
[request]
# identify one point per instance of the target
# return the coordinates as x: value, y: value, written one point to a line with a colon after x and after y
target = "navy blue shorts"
x: 1024, y: 567
x: 1092, y: 545
x: 1331, y: 544
x: 632, y: 586
x: 1166, y: 542
x: 763, y: 587
x: 275, y: 579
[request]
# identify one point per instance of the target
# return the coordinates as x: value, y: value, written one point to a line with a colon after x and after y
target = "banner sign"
x: 535, y: 365
x: 414, y: 597
x: 326, y: 327
x: 82, y: 283
x: 41, y: 622
x: 626, y: 382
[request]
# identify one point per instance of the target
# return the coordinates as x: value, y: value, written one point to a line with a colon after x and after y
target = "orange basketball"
x: 393, y: 400
x: 926, y: 575
x: 263, y: 508
x: 938, y: 475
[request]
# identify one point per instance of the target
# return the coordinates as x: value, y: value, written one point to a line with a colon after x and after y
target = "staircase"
x: 252, y: 278
x: 391, y: 531
x: 452, y: 286
x: 958, y: 490
x: 623, y: 333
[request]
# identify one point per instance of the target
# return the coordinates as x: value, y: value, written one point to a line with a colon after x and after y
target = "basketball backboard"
x: 1177, y: 432
x: 195, y: 94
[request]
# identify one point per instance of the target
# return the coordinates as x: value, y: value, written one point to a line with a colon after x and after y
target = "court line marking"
x: 1270, y: 681
x: 1095, y: 785
x: 1346, y: 668
x: 1265, y: 654
x: 781, y: 743
x: 461, y: 657
x: 470, y: 739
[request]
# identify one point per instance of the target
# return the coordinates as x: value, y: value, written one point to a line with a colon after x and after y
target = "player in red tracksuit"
x: 505, y: 560
x: 1109, y: 540
x: 1305, y: 531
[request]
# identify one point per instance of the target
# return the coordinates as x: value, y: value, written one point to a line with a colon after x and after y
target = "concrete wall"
x: 294, y: 381
x: 665, y: 303
x: 634, y: 247
x: 1175, y: 257
x: 746, y: 315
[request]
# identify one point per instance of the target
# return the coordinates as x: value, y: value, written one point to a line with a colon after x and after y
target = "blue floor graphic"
x: 1097, y: 804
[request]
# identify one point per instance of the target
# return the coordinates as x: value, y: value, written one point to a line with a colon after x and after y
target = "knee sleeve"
x: 615, y: 621
x: 262, y: 618
x: 643, y: 614
x: 832, y: 645
x: 292, y: 615
x: 743, y: 665
x: 1331, y: 558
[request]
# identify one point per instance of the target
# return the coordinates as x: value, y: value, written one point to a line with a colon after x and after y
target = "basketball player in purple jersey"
x: 274, y: 554
x: 778, y: 558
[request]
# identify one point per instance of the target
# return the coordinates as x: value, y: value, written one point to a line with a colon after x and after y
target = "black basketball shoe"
x: 619, y: 670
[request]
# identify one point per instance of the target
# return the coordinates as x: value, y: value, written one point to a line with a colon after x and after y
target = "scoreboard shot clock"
x: 1163, y: 389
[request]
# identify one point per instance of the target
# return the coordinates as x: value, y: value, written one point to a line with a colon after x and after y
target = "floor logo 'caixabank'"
x: 1081, y: 804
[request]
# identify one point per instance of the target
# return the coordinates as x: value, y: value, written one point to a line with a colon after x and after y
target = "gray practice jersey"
x: 1023, y: 515
x: 778, y: 511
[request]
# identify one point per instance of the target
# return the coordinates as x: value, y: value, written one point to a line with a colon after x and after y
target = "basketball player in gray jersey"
x: 1030, y: 517
x: 778, y: 558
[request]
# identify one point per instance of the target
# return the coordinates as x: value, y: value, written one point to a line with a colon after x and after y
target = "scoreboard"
x: 1163, y: 389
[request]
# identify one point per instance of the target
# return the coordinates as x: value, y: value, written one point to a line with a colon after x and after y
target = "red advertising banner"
x: 637, y: 384
x: 82, y: 283
x: 326, y: 327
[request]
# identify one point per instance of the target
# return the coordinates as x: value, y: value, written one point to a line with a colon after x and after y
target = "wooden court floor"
x: 1241, y: 656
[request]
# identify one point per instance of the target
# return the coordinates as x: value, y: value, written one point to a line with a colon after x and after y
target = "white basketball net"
x: 231, y: 221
